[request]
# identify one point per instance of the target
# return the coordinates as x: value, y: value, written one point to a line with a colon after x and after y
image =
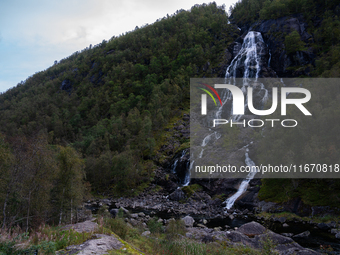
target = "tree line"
x: 97, y: 116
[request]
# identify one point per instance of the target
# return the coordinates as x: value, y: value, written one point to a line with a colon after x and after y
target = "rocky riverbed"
x: 206, y: 219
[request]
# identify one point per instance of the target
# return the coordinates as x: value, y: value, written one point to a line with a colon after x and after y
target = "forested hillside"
x: 94, y: 121
x: 99, y: 113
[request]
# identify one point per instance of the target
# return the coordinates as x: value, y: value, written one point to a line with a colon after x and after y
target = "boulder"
x: 287, y: 234
x: 98, y: 246
x: 252, y: 229
x: 188, y: 221
x: 323, y: 226
x: 302, y: 235
x: 282, y: 219
x: 335, y: 231
x: 235, y: 237
x: 177, y: 195
x: 114, y: 212
x: 146, y: 233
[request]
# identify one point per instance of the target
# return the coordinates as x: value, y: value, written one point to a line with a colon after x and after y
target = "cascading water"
x: 247, y: 64
x: 181, y: 168
x: 244, y: 184
x: 187, y: 178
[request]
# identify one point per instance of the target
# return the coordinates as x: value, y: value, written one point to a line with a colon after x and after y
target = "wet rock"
x: 252, y: 229
x: 188, y: 221
x: 287, y: 234
x: 323, y: 226
x: 282, y: 219
x: 335, y: 231
x: 177, y: 195
x: 302, y: 235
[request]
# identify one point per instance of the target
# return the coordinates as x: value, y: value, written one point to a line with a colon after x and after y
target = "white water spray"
x: 244, y: 184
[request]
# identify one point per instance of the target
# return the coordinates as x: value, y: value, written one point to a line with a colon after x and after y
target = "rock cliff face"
x: 273, y: 32
x: 276, y: 61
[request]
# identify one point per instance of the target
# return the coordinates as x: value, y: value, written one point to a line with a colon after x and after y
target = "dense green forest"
x: 94, y: 121
x: 100, y: 113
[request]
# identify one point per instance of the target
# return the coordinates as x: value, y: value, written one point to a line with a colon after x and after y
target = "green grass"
x: 172, y: 241
x: 292, y: 216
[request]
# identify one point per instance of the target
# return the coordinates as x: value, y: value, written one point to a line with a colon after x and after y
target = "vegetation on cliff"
x: 109, y: 103
x: 96, y: 118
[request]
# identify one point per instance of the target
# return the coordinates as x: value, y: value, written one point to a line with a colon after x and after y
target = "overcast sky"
x: 35, y: 33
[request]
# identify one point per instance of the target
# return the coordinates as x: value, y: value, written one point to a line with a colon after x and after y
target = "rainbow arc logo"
x: 213, y: 90
x: 204, y: 97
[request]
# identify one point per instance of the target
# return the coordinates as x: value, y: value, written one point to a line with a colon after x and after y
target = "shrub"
x: 155, y: 226
x: 118, y: 226
x: 293, y: 43
x: 175, y: 228
x: 268, y: 246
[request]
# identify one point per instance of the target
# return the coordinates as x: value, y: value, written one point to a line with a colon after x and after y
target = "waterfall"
x: 173, y: 170
x: 248, y: 59
x: 187, y: 178
x: 244, y: 184
x: 246, y: 64
x: 181, y: 169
